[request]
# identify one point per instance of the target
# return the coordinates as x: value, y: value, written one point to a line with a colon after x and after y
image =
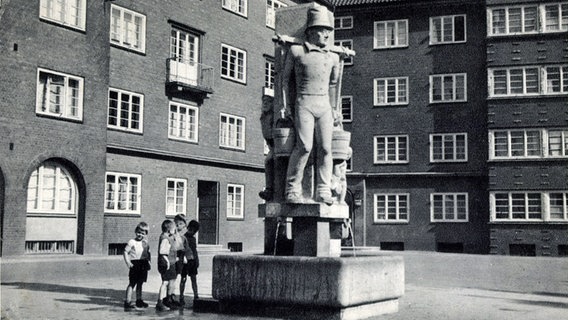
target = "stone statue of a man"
x: 316, y: 72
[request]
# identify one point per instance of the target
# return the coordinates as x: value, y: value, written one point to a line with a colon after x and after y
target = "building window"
x: 507, y: 206
x: 176, y: 196
x: 390, y: 34
x: 448, y: 147
x: 122, y: 193
x: 448, y: 88
x: 528, y: 143
x: 51, y: 190
x: 347, y: 108
x: 232, y: 132
x: 558, y: 143
x: 184, y: 46
x: 70, y: 13
x: 342, y: 23
x: 390, y: 91
x: 125, y: 110
x: 391, y: 207
x: 526, y: 81
x: 233, y: 63
x: 128, y: 29
x: 447, y: 29
x: 348, y: 61
x: 59, y: 95
x: 558, y: 205
x: 183, y: 122
x: 236, y: 6
x: 449, y: 207
x: 555, y: 17
x: 271, y: 6
x: 269, y: 77
x: 513, y: 20
x: 555, y: 79
x: 235, y: 201
x: 391, y: 149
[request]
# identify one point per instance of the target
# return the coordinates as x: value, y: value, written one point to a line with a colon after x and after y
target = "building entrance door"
x: 208, y: 204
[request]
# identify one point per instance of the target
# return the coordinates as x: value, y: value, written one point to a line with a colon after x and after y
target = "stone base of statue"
x: 308, y: 287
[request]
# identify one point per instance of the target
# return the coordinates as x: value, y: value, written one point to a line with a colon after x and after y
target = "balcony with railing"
x: 187, y: 75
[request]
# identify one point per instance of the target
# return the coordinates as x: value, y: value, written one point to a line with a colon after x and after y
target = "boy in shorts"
x: 137, y: 259
x: 192, y: 261
x: 167, y: 256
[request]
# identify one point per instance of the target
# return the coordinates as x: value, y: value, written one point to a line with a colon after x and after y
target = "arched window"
x: 51, y: 190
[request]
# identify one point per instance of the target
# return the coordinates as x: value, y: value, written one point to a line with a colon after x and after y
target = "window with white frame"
x: 508, y: 206
x: 125, y: 110
x: 555, y: 17
x: 59, y: 95
x: 70, y: 13
x: 390, y: 91
x: 271, y: 6
x: 232, y: 132
x: 127, y: 28
x: 513, y: 20
x: 391, y: 207
x: 390, y: 34
x: 448, y: 29
x: 184, y: 46
x: 236, y: 6
x: 51, y: 190
x: 176, y: 196
x: 235, y: 201
x: 555, y: 79
x: 233, y: 63
x: 391, y: 149
x: 448, y: 147
x: 348, y: 61
x: 269, y: 77
x: 342, y: 23
x: 122, y: 193
x: 527, y: 19
x: 449, y: 207
x: 183, y: 122
x: 557, y: 143
x: 528, y: 81
x: 347, y: 108
x: 557, y: 205
x: 528, y: 144
x: 448, y: 88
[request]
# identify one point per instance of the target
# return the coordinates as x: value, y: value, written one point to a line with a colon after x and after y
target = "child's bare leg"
x: 139, y: 291
x: 163, y: 290
x: 128, y: 297
x: 182, y: 287
x: 194, y: 286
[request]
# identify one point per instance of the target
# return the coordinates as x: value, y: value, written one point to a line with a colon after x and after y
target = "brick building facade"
x: 426, y: 174
x: 116, y: 112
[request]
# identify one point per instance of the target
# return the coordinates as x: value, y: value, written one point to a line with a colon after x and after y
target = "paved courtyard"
x: 438, y: 286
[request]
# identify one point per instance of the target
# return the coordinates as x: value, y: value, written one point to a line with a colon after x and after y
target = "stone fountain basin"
x: 335, y: 282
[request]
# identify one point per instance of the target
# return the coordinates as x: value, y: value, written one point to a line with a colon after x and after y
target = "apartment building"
x: 414, y: 99
x: 458, y: 113
x: 527, y: 69
x: 116, y: 112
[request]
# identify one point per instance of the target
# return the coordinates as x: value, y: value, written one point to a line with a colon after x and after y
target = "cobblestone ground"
x: 438, y: 286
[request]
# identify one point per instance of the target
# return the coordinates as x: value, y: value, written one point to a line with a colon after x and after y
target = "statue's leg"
x: 324, y: 134
x: 304, y: 124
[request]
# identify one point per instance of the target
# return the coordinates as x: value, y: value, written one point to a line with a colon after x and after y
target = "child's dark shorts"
x: 189, y: 269
x: 139, y: 271
x: 167, y: 274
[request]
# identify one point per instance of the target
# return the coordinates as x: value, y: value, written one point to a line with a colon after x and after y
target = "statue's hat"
x: 318, y: 16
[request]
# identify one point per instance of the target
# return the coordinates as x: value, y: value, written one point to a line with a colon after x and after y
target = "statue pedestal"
x: 308, y: 287
x: 316, y: 227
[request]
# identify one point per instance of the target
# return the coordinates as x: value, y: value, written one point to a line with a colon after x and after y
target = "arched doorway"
x: 52, y: 210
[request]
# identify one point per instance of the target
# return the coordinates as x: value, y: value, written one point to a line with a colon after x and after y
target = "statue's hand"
x: 336, y: 118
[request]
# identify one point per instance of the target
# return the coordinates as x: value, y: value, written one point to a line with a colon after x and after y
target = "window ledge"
x: 51, y: 215
x: 118, y: 214
x: 390, y: 222
x: 531, y: 222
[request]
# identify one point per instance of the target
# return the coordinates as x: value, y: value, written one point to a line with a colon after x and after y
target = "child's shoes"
x: 141, y: 304
x: 160, y: 306
x: 129, y: 306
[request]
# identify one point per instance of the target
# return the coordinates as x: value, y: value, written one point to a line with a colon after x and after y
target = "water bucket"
x: 284, y: 139
x: 340, y: 145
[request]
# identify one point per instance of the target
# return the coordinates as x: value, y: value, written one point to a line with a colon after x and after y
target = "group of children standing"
x: 177, y: 255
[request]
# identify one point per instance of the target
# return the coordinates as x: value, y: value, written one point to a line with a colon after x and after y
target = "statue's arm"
x: 334, y: 88
x: 285, y: 108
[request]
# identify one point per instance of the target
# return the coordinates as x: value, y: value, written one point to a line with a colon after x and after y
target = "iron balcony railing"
x: 189, y: 73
